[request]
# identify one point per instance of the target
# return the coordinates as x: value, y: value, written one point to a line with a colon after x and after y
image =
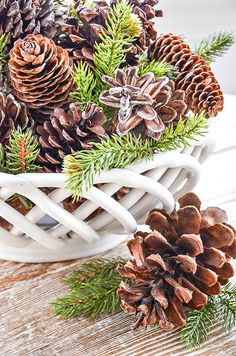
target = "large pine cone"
x: 180, y: 263
x: 12, y: 115
x: 19, y: 18
x: 40, y: 72
x: 146, y: 105
x: 83, y: 31
x: 67, y: 133
x: 202, y: 90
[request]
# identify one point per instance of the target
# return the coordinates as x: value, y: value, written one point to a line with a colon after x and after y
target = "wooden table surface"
x: 28, y: 328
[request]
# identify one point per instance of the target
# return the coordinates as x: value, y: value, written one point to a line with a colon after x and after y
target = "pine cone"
x: 145, y: 104
x: 180, y: 263
x: 12, y: 115
x: 67, y: 133
x: 84, y: 31
x: 40, y: 72
x: 19, y: 18
x: 202, y: 90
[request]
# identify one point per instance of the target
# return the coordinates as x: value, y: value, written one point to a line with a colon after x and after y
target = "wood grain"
x: 28, y: 328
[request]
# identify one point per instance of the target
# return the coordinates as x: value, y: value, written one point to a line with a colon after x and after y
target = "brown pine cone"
x: 146, y: 105
x: 19, y: 18
x: 12, y: 115
x: 83, y: 31
x: 67, y: 133
x: 40, y: 72
x: 202, y: 90
x: 185, y: 259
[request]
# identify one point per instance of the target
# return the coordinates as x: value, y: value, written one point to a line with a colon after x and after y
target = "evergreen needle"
x: 215, y: 45
x: 120, y: 151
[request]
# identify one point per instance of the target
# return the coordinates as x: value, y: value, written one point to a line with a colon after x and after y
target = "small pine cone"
x: 12, y: 115
x: 40, y: 72
x: 67, y: 133
x: 146, y: 105
x: 202, y: 90
x: 19, y: 18
x: 185, y: 259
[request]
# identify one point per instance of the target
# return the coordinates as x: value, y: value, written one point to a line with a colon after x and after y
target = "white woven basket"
x: 68, y: 235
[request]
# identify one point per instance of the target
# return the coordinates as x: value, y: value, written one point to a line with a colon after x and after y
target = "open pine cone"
x: 180, y: 263
x: 146, y: 105
x: 40, y: 72
x: 68, y: 132
x: 19, y: 18
x: 83, y: 31
x: 202, y: 90
x: 12, y: 115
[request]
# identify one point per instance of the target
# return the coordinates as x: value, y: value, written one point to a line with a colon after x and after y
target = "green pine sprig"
x: 85, y: 82
x: 92, y: 290
x: 120, y: 151
x: 122, y: 28
x: 215, y: 46
x: 200, y: 322
x: 3, y: 52
x: 21, y: 152
x: 159, y: 69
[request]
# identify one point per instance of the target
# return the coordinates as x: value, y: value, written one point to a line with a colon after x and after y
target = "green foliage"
x: 199, y: 322
x: 3, y: 52
x: 122, y: 27
x: 119, y: 152
x: 92, y: 290
x: 21, y: 152
x: 215, y: 45
x: 159, y: 69
x: 2, y: 159
x: 227, y: 306
x: 85, y: 84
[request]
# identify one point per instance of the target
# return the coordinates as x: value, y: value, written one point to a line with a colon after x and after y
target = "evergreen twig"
x: 3, y: 52
x: 215, y: 45
x: 199, y: 323
x: 93, y: 289
x: 227, y: 306
x: 159, y: 69
x: 21, y: 152
x: 85, y: 82
x: 119, y: 152
x: 122, y: 27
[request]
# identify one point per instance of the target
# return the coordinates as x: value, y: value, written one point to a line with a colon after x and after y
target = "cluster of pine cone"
x: 45, y: 41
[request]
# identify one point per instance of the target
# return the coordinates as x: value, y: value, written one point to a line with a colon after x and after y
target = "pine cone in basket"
x: 68, y: 132
x: 202, y: 90
x: 145, y: 104
x: 40, y: 72
x: 19, y: 18
x: 83, y: 31
x: 180, y: 263
x: 12, y: 115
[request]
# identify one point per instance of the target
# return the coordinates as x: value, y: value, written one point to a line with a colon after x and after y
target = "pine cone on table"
x: 19, y: 18
x: 83, y: 31
x: 185, y: 259
x: 146, y: 105
x: 68, y: 132
x: 12, y: 115
x: 203, y: 93
x: 40, y: 73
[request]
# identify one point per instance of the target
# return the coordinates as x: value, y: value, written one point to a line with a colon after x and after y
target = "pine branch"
x: 215, y: 46
x: 85, y: 82
x: 198, y: 326
x: 122, y: 27
x: 227, y: 306
x: 21, y: 152
x: 119, y: 152
x: 3, y: 52
x: 159, y: 69
x: 2, y: 159
x: 93, y: 290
